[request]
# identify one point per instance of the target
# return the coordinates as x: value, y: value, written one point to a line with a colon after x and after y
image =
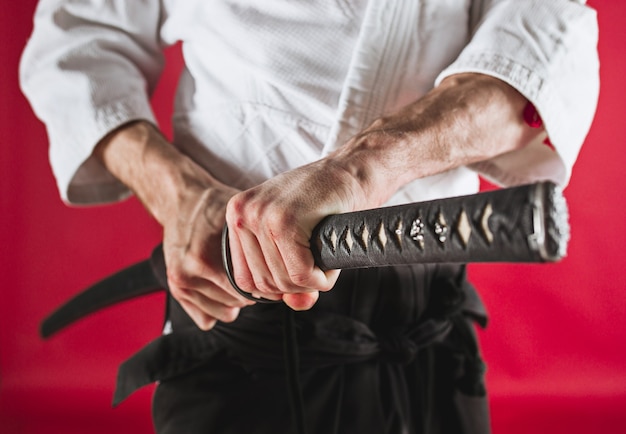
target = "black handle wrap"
x: 520, y: 224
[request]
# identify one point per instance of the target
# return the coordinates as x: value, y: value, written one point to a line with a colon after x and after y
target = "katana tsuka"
x: 519, y: 224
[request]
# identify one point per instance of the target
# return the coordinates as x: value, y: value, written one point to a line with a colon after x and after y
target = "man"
x: 287, y: 112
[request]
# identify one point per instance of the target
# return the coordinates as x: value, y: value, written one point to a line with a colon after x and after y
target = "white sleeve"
x: 89, y: 67
x: 547, y: 50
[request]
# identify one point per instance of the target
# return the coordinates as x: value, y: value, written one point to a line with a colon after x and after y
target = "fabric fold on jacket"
x: 246, y: 124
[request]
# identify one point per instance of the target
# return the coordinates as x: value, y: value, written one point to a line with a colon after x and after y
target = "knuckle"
x: 264, y: 285
x: 301, y: 279
x: 178, y: 294
x: 245, y: 282
x: 235, y: 204
x: 239, y: 204
x: 276, y: 221
x: 177, y: 278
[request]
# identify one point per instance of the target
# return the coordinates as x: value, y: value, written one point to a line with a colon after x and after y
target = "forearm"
x: 468, y: 118
x: 190, y: 205
x: 158, y: 174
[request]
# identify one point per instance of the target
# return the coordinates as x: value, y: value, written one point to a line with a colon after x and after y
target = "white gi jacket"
x: 272, y: 85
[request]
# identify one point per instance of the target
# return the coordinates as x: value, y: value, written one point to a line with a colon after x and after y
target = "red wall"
x: 555, y: 344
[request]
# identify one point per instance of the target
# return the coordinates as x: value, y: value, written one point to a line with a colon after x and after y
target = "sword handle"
x: 528, y: 223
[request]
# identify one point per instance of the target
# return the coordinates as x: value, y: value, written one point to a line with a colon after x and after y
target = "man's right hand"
x: 191, y: 207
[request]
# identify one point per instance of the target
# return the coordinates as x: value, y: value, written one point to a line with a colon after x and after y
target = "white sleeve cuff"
x: 81, y: 178
x: 547, y: 50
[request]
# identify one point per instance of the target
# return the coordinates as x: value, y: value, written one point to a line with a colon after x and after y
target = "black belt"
x: 263, y: 337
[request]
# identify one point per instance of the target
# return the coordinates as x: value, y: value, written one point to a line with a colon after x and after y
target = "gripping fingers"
x: 253, y: 272
x: 301, y: 269
x: 203, y: 300
x: 260, y: 266
x: 236, y: 264
x: 202, y: 320
x: 204, y: 310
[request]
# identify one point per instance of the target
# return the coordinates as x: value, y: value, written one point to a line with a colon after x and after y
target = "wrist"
x: 159, y: 175
x: 382, y: 158
x: 357, y: 162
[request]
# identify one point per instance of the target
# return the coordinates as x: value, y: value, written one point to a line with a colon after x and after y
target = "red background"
x: 555, y: 345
